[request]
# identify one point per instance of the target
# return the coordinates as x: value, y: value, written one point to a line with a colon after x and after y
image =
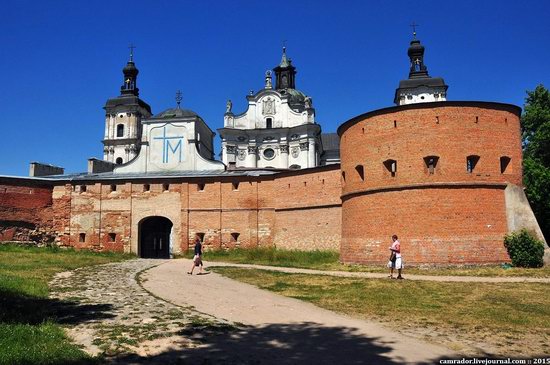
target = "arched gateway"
x: 154, y: 237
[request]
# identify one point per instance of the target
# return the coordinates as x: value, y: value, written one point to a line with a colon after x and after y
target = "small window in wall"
x: 120, y: 130
x: 431, y: 163
x: 146, y: 187
x: 200, y: 236
x: 119, y: 161
x: 471, y: 162
x: 113, y: 187
x: 391, y: 166
x: 344, y: 176
x: 360, y: 172
x: 82, y: 188
x: 235, y: 185
x: 82, y: 237
x: 112, y: 237
x: 235, y: 237
x: 200, y: 187
x: 504, y: 163
x: 269, y: 123
x: 295, y: 167
x: 165, y: 187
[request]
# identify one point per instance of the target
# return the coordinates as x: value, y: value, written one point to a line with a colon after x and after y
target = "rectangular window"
x: 165, y: 187
x: 200, y: 236
x: 360, y: 172
x: 82, y: 188
x: 146, y: 187
x: 504, y: 163
x: 235, y: 237
x: 113, y: 187
x: 112, y: 237
x: 82, y: 237
x: 200, y: 187
x: 235, y: 185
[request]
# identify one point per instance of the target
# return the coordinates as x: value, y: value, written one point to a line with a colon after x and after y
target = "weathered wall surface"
x: 444, y: 214
x: 25, y: 212
x: 294, y: 210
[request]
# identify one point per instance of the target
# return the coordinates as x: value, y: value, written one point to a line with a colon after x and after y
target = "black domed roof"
x: 130, y: 68
x: 415, y: 48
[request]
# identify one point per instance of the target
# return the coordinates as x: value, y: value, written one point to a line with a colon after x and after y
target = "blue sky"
x: 61, y: 60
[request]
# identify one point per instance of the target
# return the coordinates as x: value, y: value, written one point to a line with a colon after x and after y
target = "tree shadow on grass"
x: 300, y: 343
x: 17, y: 308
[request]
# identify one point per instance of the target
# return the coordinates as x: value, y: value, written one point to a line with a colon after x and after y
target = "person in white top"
x: 395, y: 259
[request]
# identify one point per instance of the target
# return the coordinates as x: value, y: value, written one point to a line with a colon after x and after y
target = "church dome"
x: 130, y: 69
x: 296, y: 96
x: 175, y: 113
x: 416, y: 48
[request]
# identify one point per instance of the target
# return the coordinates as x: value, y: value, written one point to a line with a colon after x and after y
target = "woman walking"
x: 197, y: 259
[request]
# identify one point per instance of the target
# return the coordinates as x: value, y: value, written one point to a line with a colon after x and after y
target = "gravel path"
x: 150, y: 311
x: 278, y: 329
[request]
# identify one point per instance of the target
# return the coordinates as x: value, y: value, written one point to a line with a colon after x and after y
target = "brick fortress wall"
x: 25, y: 212
x: 298, y: 209
x: 442, y: 213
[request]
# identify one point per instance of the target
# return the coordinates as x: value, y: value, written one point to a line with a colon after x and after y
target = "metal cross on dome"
x: 414, y: 25
x: 131, y: 47
x: 178, y: 98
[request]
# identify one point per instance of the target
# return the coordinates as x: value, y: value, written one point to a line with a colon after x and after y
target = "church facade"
x: 446, y: 176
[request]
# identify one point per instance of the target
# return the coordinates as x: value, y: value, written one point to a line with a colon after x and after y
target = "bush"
x: 524, y: 249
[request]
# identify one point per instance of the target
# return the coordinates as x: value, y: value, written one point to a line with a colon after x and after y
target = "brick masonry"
x: 443, y: 214
x: 450, y: 216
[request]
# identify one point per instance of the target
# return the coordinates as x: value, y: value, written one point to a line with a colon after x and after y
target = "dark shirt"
x: 198, y: 248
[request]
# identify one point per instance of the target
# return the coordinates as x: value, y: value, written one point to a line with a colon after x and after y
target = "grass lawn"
x: 511, y: 319
x: 29, y: 332
x: 329, y: 260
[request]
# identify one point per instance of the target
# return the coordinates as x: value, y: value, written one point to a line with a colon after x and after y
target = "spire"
x: 129, y: 86
x: 416, y: 55
x: 285, y: 73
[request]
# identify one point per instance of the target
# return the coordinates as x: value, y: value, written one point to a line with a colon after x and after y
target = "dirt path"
x: 348, y: 274
x: 283, y: 330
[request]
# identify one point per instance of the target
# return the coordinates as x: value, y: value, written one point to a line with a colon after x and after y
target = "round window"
x: 269, y: 153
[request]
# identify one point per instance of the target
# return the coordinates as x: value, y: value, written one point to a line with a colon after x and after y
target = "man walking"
x: 395, y: 259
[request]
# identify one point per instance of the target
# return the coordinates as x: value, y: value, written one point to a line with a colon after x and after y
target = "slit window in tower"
x: 391, y: 166
x: 360, y: 171
x: 269, y: 123
x: 431, y: 163
x: 504, y: 163
x: 120, y: 130
x: 471, y: 162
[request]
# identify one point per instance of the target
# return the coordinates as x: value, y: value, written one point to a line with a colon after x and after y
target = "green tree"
x: 535, y: 129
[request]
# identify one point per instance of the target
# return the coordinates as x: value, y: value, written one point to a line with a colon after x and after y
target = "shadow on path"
x: 299, y: 343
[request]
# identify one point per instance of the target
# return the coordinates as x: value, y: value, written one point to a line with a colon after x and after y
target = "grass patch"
x: 275, y: 257
x: 329, y: 260
x: 475, y: 313
x: 29, y: 332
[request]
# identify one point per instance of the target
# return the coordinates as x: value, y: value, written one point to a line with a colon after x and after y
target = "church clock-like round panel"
x: 269, y: 153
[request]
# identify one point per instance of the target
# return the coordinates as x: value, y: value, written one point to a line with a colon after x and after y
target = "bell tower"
x: 123, y: 115
x: 419, y: 87
x: 285, y: 73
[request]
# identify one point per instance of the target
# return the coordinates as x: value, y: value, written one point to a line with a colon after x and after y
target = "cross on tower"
x: 131, y: 47
x: 178, y: 98
x: 414, y: 25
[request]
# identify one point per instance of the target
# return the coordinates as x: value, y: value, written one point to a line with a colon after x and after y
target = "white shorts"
x: 397, y: 265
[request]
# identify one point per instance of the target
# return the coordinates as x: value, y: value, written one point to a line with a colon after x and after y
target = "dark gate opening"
x: 154, y: 238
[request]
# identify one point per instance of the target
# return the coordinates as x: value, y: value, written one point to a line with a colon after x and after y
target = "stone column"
x: 311, y: 154
x: 251, y: 157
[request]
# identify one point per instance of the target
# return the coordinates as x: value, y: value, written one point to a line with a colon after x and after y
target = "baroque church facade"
x: 444, y: 175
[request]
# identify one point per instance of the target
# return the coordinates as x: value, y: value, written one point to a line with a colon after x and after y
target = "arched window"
x: 120, y: 130
x: 119, y: 161
x: 431, y: 163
